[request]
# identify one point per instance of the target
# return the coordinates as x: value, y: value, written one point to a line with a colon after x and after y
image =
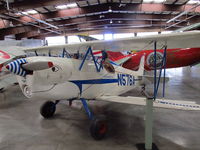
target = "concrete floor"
x: 22, y: 127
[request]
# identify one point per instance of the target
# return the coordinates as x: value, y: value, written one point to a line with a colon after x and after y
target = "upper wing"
x: 172, y: 40
x: 170, y: 104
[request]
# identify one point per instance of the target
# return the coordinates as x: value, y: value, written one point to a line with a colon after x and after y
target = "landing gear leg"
x: 98, y: 126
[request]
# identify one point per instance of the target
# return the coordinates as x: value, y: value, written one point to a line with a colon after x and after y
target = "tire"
x: 48, y: 109
x: 2, y: 90
x: 98, y: 127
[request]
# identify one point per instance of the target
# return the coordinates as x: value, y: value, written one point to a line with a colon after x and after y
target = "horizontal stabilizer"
x: 35, y: 66
x: 162, y: 103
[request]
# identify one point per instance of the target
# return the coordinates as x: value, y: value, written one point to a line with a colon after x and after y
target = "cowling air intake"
x: 15, y: 67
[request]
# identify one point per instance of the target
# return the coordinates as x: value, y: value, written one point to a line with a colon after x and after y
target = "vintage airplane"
x: 86, y: 77
x: 175, y: 57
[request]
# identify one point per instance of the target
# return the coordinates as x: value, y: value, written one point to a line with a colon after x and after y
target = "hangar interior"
x: 41, y: 23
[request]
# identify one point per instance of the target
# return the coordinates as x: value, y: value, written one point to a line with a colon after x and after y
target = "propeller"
x: 21, y: 67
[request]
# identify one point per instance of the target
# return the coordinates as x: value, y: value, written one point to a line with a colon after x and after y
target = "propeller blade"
x: 35, y: 66
x: 15, y: 67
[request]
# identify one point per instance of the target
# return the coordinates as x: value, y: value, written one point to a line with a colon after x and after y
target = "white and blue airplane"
x: 87, y: 77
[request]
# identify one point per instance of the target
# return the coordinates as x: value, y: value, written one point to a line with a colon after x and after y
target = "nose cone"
x: 8, y: 67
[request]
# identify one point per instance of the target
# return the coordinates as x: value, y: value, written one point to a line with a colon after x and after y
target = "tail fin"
x: 140, y: 71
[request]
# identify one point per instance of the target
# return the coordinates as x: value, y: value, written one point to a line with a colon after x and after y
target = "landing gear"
x: 98, y: 127
x: 1, y: 90
x: 48, y: 109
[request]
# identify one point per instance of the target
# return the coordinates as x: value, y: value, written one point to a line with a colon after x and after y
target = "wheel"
x: 48, y: 109
x: 1, y: 90
x: 98, y: 127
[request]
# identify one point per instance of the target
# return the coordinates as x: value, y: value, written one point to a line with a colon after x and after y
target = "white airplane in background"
x: 87, y: 77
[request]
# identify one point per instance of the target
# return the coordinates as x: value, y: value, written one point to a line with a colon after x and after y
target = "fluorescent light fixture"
x: 72, y: 5
x: 147, y: 1
x: 18, y: 13
x: 193, y: 2
x: 154, y: 1
x: 110, y: 9
x: 24, y: 13
x: 61, y: 7
x: 159, y: 1
x: 32, y: 11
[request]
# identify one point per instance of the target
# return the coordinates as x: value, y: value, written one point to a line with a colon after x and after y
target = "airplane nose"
x: 1, y: 66
x: 7, y: 67
x: 15, y: 67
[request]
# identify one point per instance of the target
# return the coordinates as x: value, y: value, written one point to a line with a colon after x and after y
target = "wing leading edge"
x: 160, y: 103
x: 172, y: 40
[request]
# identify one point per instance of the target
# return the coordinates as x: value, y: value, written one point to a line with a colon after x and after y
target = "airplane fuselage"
x: 175, y: 58
x: 66, y: 81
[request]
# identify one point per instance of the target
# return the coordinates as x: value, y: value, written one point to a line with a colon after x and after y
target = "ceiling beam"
x: 108, y: 30
x: 98, y: 26
x: 24, y: 5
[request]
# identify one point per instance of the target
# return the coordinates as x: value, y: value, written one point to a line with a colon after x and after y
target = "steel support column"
x: 148, y: 124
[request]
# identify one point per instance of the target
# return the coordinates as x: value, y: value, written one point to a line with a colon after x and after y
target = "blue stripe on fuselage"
x: 95, y: 81
x: 80, y: 83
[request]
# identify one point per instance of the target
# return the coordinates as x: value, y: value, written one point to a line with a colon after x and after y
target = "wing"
x: 170, y: 104
x: 172, y: 40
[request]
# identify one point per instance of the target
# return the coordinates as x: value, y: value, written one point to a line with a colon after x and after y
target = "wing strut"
x: 65, y: 53
x: 163, y: 67
x: 97, y: 65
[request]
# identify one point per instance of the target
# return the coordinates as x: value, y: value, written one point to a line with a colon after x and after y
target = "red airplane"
x: 175, y: 58
x: 179, y: 57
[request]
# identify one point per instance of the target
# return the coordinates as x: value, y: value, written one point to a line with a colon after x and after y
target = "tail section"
x: 141, y: 66
x: 140, y: 71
